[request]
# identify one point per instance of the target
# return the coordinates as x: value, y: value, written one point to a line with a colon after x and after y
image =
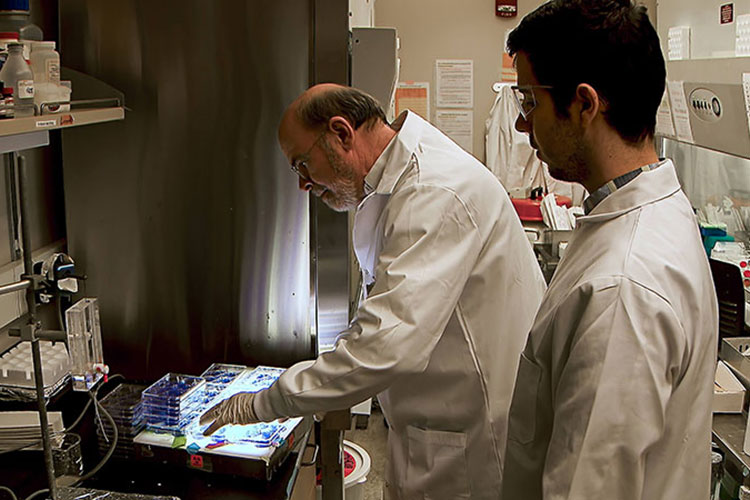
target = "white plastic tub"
x: 354, y: 477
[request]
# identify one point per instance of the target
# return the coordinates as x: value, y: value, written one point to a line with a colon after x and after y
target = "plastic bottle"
x: 45, y: 63
x: 17, y: 74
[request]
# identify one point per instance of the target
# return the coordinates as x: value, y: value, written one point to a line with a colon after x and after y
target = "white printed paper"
x: 458, y: 125
x: 454, y: 83
x: 664, y: 125
x: 680, y: 111
x: 746, y: 94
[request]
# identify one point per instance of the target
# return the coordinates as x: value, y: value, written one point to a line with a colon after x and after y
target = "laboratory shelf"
x: 729, y: 435
x: 32, y: 131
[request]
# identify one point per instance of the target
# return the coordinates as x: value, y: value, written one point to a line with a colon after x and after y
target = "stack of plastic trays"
x: 124, y: 404
x: 172, y: 402
x: 218, y: 376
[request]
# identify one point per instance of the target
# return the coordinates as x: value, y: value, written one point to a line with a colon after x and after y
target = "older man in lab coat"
x: 452, y: 287
x: 614, y: 388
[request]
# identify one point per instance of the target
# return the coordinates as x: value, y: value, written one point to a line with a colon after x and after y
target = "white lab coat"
x: 454, y: 290
x: 510, y: 156
x: 614, y: 388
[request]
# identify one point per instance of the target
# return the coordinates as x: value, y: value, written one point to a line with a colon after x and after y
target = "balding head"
x: 316, y: 106
x: 332, y: 135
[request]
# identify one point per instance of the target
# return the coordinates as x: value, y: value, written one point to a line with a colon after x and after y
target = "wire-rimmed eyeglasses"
x: 525, y: 98
x: 299, y: 166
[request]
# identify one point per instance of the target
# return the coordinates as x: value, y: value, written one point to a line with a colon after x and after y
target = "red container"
x: 530, y: 210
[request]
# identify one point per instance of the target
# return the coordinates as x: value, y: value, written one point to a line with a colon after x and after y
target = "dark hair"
x: 609, y: 44
x: 356, y: 106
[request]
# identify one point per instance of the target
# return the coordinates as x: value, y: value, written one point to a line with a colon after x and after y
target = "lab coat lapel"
x: 397, y: 159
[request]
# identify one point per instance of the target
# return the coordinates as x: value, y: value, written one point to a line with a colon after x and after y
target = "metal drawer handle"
x: 314, y: 457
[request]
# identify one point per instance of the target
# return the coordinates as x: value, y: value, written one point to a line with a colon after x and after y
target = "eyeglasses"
x: 525, y: 98
x: 299, y: 167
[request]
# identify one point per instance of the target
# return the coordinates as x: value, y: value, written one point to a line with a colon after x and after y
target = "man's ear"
x: 343, y: 130
x: 589, y: 103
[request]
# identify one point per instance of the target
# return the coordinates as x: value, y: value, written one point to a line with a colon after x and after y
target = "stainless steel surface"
x: 721, y: 135
x: 729, y: 434
x: 733, y: 351
x: 91, y: 494
x: 330, y: 230
x: 185, y: 216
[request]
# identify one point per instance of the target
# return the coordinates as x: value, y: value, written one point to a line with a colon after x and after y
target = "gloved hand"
x: 237, y: 409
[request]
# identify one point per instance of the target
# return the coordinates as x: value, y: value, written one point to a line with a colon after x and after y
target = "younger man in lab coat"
x: 614, y: 388
x: 452, y: 285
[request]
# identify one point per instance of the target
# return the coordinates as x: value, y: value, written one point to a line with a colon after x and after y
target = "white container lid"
x: 43, y: 46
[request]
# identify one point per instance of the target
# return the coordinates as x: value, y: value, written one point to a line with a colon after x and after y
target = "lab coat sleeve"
x: 430, y: 245
x: 626, y: 346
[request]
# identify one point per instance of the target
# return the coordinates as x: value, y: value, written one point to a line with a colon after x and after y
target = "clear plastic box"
x: 85, y: 343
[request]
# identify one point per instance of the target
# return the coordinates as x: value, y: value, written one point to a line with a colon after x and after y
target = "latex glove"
x: 237, y: 409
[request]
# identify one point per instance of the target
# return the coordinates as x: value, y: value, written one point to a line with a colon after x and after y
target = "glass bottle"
x: 16, y: 74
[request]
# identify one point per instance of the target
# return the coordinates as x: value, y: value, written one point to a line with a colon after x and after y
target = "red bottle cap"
x: 8, y: 34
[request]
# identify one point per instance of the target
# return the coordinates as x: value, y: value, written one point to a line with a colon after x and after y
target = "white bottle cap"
x: 43, y: 46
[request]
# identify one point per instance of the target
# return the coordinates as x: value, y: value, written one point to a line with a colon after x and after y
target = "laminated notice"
x: 680, y: 112
x: 746, y: 95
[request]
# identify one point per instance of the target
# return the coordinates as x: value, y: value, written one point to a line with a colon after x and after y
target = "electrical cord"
x: 88, y: 403
x: 37, y: 493
x: 9, y: 491
x: 112, y: 446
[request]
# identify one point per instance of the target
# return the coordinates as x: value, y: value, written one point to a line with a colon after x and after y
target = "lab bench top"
x: 169, y: 479
x: 23, y: 472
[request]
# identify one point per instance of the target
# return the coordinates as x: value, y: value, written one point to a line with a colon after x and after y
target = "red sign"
x: 196, y: 461
x: 727, y: 13
x: 506, y: 8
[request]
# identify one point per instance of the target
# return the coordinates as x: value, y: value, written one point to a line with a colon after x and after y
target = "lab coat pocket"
x: 437, y: 464
x: 522, y: 420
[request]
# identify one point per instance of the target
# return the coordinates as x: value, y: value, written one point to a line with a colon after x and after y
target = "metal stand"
x: 31, y: 331
x: 332, y: 453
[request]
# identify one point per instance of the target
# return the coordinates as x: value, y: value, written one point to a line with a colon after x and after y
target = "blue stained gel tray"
x: 220, y: 374
x: 261, y: 434
x: 173, y: 388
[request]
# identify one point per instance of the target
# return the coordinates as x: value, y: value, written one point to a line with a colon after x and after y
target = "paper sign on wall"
x: 680, y: 111
x: 664, y: 125
x: 454, y: 83
x: 414, y: 96
x: 458, y: 125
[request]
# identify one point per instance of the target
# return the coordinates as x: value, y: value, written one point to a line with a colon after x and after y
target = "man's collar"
x: 611, y: 186
x: 396, y: 157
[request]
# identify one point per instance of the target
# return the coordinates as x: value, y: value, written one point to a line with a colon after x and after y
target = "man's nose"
x: 522, y: 125
x: 305, y: 184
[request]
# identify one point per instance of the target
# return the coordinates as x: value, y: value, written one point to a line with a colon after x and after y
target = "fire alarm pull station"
x: 506, y: 8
